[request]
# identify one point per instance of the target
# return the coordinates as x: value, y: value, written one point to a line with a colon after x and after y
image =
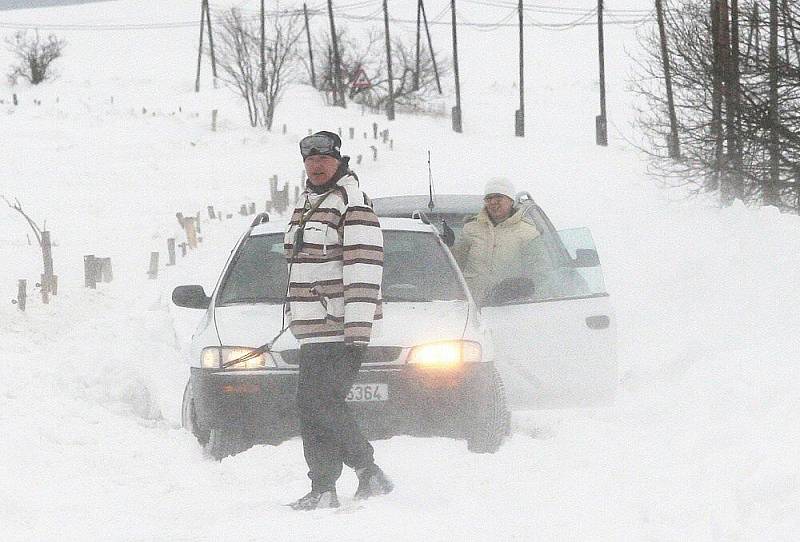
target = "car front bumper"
x: 261, y: 404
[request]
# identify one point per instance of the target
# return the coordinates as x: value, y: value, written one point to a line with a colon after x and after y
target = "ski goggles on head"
x: 318, y: 144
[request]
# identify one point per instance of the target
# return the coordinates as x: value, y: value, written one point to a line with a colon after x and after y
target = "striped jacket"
x: 335, y: 276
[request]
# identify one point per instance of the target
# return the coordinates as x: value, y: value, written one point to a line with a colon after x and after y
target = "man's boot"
x: 372, y: 482
x: 314, y: 500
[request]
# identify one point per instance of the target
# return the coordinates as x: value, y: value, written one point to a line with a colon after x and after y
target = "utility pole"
x: 337, y: 63
x: 430, y: 46
x: 674, y: 143
x: 263, y: 85
x: 456, y: 112
x: 601, y: 122
x: 771, y: 189
x: 211, y: 43
x: 519, y: 120
x: 390, y: 107
x: 416, y: 71
x: 200, y: 48
x: 310, y: 49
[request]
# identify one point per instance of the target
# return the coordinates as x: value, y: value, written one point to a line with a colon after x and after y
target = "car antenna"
x: 447, y: 235
x: 431, y: 205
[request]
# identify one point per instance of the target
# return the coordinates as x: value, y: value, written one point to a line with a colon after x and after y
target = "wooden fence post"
x: 374, y: 130
x: 171, y: 250
x: 47, y: 278
x: 191, y: 232
x: 152, y: 273
x: 105, y: 273
x: 90, y: 278
x: 211, y: 215
x: 214, y: 120
x: 22, y: 294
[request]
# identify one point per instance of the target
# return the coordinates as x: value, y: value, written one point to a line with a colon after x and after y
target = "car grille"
x: 375, y: 354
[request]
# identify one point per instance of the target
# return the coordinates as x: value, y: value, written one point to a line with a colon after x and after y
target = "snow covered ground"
x: 702, y: 444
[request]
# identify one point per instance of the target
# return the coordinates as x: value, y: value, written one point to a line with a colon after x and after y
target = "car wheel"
x: 492, y: 418
x: 189, y: 416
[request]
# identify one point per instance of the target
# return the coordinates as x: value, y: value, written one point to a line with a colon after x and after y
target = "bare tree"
x: 43, y: 240
x: 239, y: 57
x: 34, y: 56
x: 368, y: 55
x: 738, y: 117
x: 281, y: 59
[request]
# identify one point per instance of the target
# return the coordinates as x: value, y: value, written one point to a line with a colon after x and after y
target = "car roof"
x: 445, y: 204
x: 387, y: 223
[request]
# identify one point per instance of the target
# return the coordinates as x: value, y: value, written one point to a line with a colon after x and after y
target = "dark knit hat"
x: 321, y: 143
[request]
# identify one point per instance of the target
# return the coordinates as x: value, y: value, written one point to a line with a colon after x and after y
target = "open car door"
x: 554, y: 328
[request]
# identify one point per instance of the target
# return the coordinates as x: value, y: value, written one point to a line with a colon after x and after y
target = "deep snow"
x: 702, y: 443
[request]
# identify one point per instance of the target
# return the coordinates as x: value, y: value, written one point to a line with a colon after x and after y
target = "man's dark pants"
x: 329, y: 431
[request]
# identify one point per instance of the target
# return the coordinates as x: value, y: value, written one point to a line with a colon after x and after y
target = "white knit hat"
x: 500, y: 185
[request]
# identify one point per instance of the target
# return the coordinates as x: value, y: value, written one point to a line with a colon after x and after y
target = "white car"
x: 553, y: 329
x: 431, y: 370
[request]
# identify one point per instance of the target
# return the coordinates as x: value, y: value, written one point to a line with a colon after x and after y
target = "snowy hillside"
x: 702, y: 444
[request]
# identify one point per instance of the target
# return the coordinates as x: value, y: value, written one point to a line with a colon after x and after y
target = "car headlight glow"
x: 215, y: 357
x: 445, y: 354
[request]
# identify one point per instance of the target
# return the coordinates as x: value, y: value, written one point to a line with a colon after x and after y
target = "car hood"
x: 403, y: 324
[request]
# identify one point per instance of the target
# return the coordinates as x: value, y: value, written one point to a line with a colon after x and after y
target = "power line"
x: 618, y: 17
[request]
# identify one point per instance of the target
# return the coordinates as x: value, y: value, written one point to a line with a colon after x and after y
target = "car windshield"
x: 416, y: 268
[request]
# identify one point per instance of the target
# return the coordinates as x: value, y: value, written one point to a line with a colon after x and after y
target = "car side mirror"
x: 447, y: 235
x: 192, y: 297
x: 586, y: 257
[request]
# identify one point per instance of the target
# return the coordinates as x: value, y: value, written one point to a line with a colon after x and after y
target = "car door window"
x: 562, y: 265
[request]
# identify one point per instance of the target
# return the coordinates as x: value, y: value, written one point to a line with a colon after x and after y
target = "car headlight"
x: 215, y: 357
x: 445, y: 354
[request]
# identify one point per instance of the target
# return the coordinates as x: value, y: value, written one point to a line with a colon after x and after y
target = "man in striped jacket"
x: 334, y: 246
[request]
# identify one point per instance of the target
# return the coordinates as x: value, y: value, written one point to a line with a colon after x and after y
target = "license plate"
x: 360, y: 393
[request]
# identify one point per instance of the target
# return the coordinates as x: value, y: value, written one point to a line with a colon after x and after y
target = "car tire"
x: 189, y: 416
x: 492, y: 418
